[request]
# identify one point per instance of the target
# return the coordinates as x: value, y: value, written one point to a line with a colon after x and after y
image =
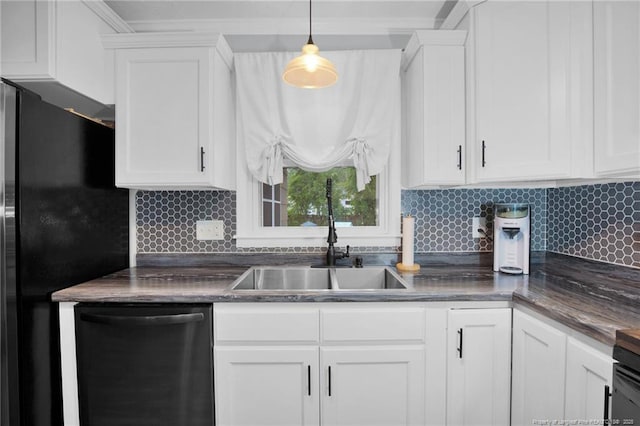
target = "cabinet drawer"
x: 373, y: 324
x: 252, y: 323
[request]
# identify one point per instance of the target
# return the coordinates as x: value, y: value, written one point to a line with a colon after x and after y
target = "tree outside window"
x: 301, y: 199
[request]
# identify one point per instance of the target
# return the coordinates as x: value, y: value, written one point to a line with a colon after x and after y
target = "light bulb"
x: 311, y: 62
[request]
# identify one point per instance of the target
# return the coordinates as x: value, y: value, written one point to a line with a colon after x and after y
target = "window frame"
x: 251, y: 234
x: 272, y: 204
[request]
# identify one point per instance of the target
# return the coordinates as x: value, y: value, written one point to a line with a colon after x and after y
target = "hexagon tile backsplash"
x: 443, y: 217
x: 600, y: 222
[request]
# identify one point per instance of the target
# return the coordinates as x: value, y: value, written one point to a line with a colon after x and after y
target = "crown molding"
x: 165, y: 39
x: 107, y: 14
x: 288, y: 26
x: 171, y: 39
x: 461, y: 8
x: 431, y: 38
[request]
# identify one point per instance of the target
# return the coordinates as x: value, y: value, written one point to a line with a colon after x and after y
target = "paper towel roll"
x: 407, y: 240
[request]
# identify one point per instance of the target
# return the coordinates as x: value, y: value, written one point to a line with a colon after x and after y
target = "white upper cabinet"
x: 433, y: 96
x: 174, y: 111
x: 57, y: 42
x: 519, y: 59
x: 617, y: 88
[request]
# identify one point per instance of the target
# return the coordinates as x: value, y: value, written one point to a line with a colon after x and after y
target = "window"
x: 356, y: 125
x: 270, y: 216
x: 274, y: 204
x: 301, y: 199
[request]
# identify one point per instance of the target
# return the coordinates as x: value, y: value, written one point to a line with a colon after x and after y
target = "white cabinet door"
x: 28, y: 39
x: 174, y: 111
x: 434, y: 110
x: 522, y: 122
x: 372, y: 385
x: 538, y: 370
x: 589, y: 374
x: 617, y: 87
x: 479, y: 361
x: 163, y: 113
x: 57, y: 42
x: 267, y: 386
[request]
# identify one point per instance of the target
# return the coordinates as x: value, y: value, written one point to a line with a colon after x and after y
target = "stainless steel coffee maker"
x: 511, y: 238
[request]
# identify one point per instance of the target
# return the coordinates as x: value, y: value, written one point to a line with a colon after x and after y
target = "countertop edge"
x: 592, y: 298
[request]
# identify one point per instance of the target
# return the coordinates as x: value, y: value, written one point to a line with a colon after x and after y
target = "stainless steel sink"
x: 284, y: 278
x: 301, y: 278
x: 368, y: 279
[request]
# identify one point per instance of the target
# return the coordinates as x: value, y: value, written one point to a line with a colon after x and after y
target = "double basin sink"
x: 301, y: 278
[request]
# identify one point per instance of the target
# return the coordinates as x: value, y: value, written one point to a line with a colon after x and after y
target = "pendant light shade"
x: 310, y: 70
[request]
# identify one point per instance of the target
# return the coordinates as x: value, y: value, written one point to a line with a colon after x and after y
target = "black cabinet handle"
x: 460, y: 347
x: 142, y: 320
x: 201, y: 159
x: 329, y: 380
x: 459, y: 157
x: 309, y: 380
x: 484, y: 148
x: 607, y: 395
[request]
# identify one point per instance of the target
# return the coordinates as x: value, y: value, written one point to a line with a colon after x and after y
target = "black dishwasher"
x: 625, y: 408
x: 144, y: 364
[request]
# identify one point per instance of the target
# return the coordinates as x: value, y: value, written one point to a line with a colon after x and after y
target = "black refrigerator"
x: 62, y: 222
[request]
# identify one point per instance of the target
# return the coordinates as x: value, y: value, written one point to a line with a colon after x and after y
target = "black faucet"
x: 332, y: 238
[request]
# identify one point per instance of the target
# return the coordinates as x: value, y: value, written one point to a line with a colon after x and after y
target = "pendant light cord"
x: 310, y: 41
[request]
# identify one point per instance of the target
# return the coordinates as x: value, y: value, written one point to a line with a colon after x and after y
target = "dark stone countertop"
x: 591, y: 297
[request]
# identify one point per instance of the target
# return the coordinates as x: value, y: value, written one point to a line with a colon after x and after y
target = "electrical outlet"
x: 479, y: 223
x: 209, y: 230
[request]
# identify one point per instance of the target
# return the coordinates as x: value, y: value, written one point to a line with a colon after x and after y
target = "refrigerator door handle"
x: 142, y: 320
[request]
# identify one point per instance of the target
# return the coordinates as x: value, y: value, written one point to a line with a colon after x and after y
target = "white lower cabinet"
x: 538, y: 370
x: 589, y: 375
x: 555, y: 377
x: 267, y: 386
x: 372, y: 385
x: 479, y: 366
x: 356, y: 386
x: 392, y: 364
x: 368, y: 370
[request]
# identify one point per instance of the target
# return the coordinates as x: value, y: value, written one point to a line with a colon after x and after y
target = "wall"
x: 600, y: 222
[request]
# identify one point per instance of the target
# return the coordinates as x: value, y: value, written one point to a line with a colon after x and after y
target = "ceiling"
x: 261, y: 25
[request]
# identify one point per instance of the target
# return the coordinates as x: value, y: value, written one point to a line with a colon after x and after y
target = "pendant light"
x: 310, y: 70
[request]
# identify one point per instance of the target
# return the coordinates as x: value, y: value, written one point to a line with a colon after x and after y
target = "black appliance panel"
x: 626, y: 396
x: 73, y: 221
x: 625, y: 401
x: 145, y: 365
x: 71, y: 226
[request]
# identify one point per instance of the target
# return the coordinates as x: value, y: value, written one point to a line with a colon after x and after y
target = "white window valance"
x: 355, y: 120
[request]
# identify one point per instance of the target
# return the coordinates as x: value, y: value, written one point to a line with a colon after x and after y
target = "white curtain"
x: 356, y: 119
